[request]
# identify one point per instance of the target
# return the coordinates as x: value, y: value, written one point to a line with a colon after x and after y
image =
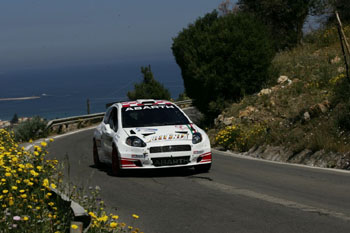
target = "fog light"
x: 138, y: 163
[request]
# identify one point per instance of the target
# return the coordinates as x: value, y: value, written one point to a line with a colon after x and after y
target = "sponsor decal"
x: 170, y: 161
x: 148, y: 107
x: 197, y: 152
x: 151, y: 130
x: 167, y: 137
x: 191, y: 128
x: 137, y: 156
x: 181, y: 127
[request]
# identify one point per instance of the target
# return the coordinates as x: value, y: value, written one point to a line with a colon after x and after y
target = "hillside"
x: 302, y: 116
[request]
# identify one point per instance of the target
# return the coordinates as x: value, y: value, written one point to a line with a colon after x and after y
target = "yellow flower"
x: 92, y: 214
x: 103, y: 218
x: 115, y: 217
x: 24, y: 196
x: 25, y: 218
x: 7, y: 174
x: 34, y: 173
x: 51, y: 140
x: 53, y: 186
x: 74, y: 226
x: 43, y: 144
x: 113, y: 224
x: 46, y: 183
x: 14, y: 187
x: 5, y: 191
x: 135, y: 216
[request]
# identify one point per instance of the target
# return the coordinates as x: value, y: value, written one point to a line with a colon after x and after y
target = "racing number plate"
x: 170, y: 161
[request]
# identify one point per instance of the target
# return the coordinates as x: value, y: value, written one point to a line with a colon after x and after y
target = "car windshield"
x: 152, y: 115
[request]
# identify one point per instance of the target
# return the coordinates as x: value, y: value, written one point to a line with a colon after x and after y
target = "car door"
x: 111, y: 127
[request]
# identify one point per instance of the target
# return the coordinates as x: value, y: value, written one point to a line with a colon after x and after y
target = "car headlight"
x: 196, y: 138
x: 135, y: 141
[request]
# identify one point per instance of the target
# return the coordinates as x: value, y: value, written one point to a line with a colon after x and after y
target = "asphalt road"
x: 237, y: 195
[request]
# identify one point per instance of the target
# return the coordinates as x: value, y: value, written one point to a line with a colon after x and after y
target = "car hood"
x: 163, y: 133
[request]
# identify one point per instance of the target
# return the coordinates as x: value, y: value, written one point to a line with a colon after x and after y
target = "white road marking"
x: 275, y: 200
x: 236, y: 155
x: 37, y: 142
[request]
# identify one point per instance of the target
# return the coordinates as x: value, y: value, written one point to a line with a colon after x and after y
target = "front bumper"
x: 165, y: 160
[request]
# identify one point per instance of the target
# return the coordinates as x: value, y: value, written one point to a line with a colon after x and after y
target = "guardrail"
x: 63, y: 125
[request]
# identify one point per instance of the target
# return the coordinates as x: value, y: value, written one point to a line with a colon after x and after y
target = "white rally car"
x: 150, y: 134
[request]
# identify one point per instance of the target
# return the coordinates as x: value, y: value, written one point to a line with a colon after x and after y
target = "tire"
x: 96, y: 158
x: 116, y: 169
x: 203, y: 168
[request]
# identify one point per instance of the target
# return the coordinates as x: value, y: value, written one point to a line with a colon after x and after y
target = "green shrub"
x: 284, y: 19
x: 31, y: 129
x: 222, y: 59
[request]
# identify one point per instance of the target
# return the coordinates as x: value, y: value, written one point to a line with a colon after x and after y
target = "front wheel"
x: 95, y: 155
x: 116, y: 170
x: 203, y: 168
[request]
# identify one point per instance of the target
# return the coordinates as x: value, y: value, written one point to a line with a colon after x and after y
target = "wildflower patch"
x: 27, y: 203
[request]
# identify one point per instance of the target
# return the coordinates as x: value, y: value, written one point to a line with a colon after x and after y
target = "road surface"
x: 237, y: 195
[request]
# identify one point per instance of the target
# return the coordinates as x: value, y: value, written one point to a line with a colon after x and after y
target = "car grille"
x: 171, y: 161
x: 174, y: 148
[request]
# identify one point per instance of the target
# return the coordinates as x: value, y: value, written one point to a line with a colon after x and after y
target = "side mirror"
x: 108, y: 128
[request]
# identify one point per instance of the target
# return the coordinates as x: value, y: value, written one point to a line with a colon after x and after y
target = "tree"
x: 149, y: 88
x: 284, y: 18
x: 222, y: 59
x: 343, y: 7
x: 14, y: 119
x: 327, y: 7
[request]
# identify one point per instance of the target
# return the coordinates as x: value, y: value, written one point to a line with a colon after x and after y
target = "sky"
x: 54, y: 33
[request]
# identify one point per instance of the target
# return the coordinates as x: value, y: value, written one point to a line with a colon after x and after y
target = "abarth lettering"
x: 148, y: 107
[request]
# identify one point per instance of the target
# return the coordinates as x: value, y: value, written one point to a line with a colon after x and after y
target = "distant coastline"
x: 20, y: 98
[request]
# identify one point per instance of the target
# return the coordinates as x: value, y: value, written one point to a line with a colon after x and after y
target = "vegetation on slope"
x: 309, y: 108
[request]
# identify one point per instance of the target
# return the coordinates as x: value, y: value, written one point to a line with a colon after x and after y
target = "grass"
x: 318, y: 89
x: 27, y: 201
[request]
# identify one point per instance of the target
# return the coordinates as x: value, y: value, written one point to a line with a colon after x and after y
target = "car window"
x: 106, y: 117
x: 154, y: 115
x: 113, y: 119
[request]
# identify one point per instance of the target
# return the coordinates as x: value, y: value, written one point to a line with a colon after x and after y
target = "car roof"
x: 140, y: 102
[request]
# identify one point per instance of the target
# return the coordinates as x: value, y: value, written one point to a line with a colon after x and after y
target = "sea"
x: 65, y: 91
